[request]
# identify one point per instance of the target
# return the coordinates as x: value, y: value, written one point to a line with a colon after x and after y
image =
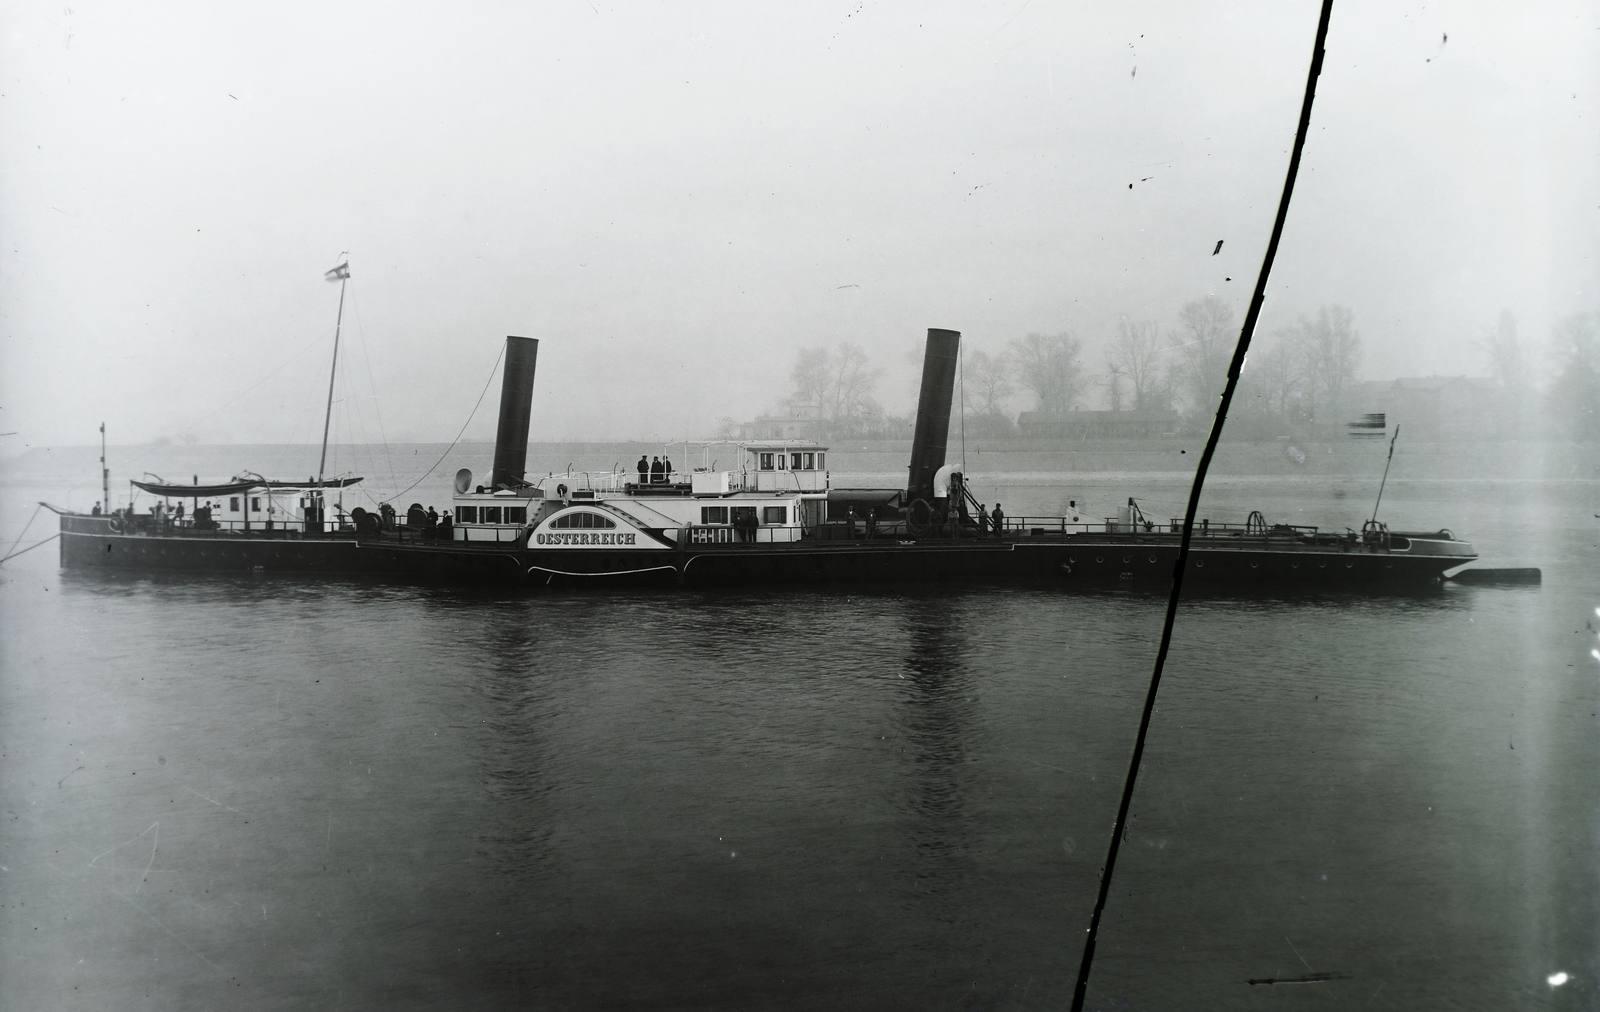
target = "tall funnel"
x: 933, y: 411
x: 516, y: 404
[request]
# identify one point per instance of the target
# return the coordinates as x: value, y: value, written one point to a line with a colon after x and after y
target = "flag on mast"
x: 339, y: 273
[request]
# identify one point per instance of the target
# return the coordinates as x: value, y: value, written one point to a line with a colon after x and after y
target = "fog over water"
x: 251, y: 791
x: 676, y: 200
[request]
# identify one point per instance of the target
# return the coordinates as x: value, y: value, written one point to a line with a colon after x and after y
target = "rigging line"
x: 464, y: 425
x: 1234, y: 368
x: 961, y: 367
x: 377, y: 406
x: 247, y: 390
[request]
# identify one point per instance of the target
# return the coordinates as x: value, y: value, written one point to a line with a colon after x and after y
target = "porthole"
x: 1099, y: 558
x: 1295, y: 564
x: 1322, y: 565
x: 1199, y: 564
x: 1127, y: 559
x: 1349, y: 565
x: 1254, y: 564
x: 1152, y: 558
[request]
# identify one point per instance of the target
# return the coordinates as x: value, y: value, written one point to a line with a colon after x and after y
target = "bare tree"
x: 840, y: 384
x: 988, y: 382
x: 1330, y: 351
x: 1575, y: 395
x: 1135, y: 354
x: 1507, y: 358
x: 1509, y: 363
x: 810, y: 376
x: 1115, y: 374
x: 1204, y: 343
x: 1050, y: 367
x: 850, y: 383
x: 1272, y: 386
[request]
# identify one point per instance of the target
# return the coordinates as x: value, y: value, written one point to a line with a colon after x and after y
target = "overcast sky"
x: 673, y: 197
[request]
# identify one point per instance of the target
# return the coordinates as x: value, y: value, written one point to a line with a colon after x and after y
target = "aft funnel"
x: 516, y: 405
x: 933, y: 412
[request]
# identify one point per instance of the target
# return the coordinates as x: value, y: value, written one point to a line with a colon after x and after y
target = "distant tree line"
x: 1298, y: 378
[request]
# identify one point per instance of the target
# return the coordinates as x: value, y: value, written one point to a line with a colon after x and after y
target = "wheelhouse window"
x: 775, y: 514
x: 582, y: 519
x: 255, y: 504
x: 811, y: 462
x: 516, y: 515
x: 796, y: 460
x: 467, y: 514
x: 233, y: 504
x: 766, y: 462
x: 489, y: 514
x: 713, y: 514
x: 822, y: 462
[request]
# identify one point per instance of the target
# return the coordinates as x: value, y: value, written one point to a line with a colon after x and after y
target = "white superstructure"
x: 778, y: 492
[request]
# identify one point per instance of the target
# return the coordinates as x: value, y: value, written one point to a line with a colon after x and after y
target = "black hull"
x: 1080, y: 561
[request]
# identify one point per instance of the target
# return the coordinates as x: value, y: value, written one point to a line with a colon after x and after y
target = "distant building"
x: 1096, y: 424
x: 1443, y: 407
x: 791, y: 421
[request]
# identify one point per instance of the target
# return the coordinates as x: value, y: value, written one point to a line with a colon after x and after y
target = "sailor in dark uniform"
x: 644, y: 470
x: 999, y: 520
x: 666, y: 468
x: 657, y: 472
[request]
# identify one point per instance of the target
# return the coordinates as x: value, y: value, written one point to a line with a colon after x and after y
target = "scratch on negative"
x: 169, y: 931
x: 214, y: 801
x: 124, y: 843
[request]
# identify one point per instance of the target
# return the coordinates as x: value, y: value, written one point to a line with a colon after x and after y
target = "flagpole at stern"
x: 341, y: 274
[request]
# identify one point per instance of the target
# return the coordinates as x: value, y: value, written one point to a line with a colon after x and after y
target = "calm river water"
x: 237, y: 792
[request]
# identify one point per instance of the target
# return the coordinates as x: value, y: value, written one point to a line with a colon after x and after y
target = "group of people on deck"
x: 654, y: 471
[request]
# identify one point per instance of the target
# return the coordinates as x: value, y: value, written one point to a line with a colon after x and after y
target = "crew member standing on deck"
x: 666, y: 468
x: 657, y: 472
x: 644, y: 470
x: 983, y: 521
x: 999, y: 520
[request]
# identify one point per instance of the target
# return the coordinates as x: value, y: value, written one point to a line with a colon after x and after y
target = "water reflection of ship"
x: 771, y: 516
x: 936, y: 727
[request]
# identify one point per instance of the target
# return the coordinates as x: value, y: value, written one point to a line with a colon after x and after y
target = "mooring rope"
x: 30, y: 548
x: 1234, y: 368
x: 33, y: 516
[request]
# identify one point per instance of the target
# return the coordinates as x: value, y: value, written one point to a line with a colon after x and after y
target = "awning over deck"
x: 175, y: 491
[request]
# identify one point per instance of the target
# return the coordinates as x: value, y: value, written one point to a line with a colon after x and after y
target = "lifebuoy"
x: 116, y: 524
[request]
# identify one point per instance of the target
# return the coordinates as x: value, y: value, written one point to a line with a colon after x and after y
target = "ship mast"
x: 105, y: 472
x: 340, y: 274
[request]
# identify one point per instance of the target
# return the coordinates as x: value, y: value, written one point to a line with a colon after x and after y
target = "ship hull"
x: 1085, y: 561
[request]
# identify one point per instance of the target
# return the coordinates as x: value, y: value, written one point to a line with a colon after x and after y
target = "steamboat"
x: 773, y: 516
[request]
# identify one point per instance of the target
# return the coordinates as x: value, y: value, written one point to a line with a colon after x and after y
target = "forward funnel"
x: 932, y: 433
x: 516, y: 405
